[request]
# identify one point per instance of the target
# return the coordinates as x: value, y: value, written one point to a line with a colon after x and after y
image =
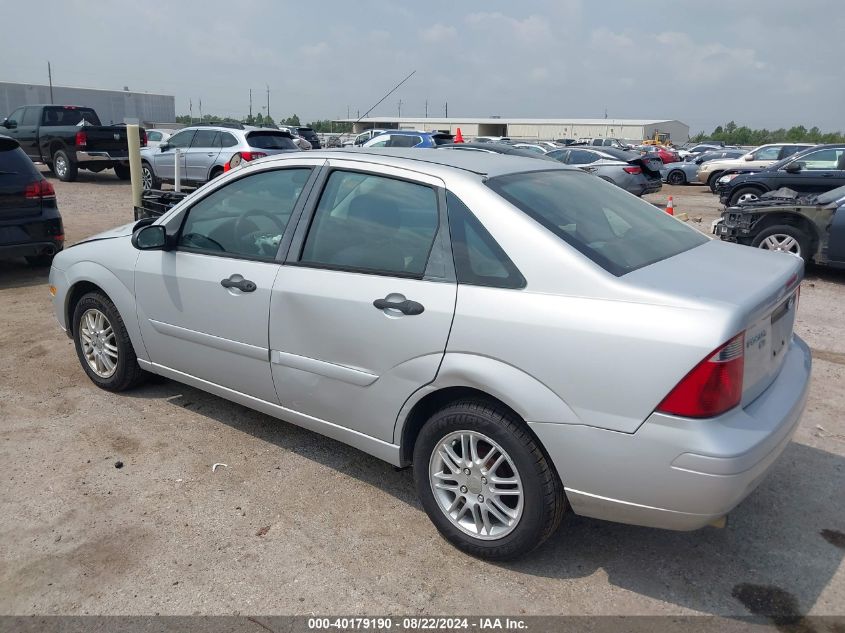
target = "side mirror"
x: 748, y: 157
x: 163, y: 147
x: 150, y: 238
x: 10, y: 124
x: 793, y: 167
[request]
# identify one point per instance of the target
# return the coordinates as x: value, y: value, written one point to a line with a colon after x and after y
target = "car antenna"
x: 392, y: 90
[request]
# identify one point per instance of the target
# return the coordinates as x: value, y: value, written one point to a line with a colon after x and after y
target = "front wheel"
x: 713, y: 181
x: 744, y: 195
x: 784, y: 239
x: 485, y: 482
x: 103, y: 345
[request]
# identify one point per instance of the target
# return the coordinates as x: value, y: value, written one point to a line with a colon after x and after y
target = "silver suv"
x: 207, y: 148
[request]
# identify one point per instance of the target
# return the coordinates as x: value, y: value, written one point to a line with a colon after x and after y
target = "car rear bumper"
x: 30, y: 248
x: 678, y: 473
x: 99, y: 157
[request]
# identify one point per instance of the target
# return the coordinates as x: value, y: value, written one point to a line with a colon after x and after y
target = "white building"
x: 632, y: 129
x: 112, y: 106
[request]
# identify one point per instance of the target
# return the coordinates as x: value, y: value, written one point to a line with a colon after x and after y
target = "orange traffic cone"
x: 670, y: 206
x: 459, y: 138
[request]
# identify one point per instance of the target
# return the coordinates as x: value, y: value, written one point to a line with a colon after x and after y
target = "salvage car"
x: 636, y: 173
x: 411, y: 304
x: 686, y: 172
x: 758, y: 158
x: 818, y: 169
x: 811, y: 226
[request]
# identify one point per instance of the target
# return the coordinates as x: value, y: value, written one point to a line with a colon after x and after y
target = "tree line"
x: 324, y: 125
x: 732, y: 134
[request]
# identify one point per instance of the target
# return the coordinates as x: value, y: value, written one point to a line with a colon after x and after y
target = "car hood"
x: 124, y: 230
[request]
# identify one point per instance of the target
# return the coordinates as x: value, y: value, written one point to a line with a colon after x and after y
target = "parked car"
x: 300, y: 141
x: 818, y: 169
x: 30, y: 223
x: 310, y: 135
x: 205, y: 150
x: 492, y: 139
x: 605, y: 142
x: 363, y: 137
x: 685, y: 172
x: 157, y: 137
x: 757, y: 158
x: 520, y: 328
x: 410, y: 138
x: 696, y: 150
x: 663, y: 153
x: 532, y: 147
x: 494, y: 148
x: 811, y: 226
x: 69, y: 138
x: 636, y: 173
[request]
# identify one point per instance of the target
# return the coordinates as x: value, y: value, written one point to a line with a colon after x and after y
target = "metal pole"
x: 268, y: 100
x: 177, y: 159
x: 250, y: 104
x: 133, y: 140
x: 50, y: 77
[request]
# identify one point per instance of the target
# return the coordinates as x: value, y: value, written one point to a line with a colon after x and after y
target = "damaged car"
x: 811, y: 226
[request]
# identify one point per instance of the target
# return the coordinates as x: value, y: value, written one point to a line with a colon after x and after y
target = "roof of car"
x: 482, y: 163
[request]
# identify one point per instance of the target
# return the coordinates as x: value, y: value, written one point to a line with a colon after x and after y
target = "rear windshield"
x: 270, y: 140
x: 68, y: 116
x: 14, y: 160
x: 616, y: 230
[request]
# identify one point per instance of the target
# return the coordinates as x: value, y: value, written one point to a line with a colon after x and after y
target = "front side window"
x: 404, y: 140
x: 182, y: 139
x: 30, y: 117
x: 154, y: 136
x: 371, y: 223
x: 16, y: 116
x: 479, y: 260
x: 246, y: 217
x: 789, y: 150
x: 581, y: 157
x: 823, y: 159
x: 382, y: 143
x: 617, y: 231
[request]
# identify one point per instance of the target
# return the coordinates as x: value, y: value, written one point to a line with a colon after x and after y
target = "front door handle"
x: 407, y: 306
x: 237, y: 281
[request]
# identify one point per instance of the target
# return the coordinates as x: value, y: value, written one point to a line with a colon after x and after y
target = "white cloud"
x: 438, y: 33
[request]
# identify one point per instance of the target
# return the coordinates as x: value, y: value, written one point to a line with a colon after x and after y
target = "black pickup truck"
x: 69, y: 138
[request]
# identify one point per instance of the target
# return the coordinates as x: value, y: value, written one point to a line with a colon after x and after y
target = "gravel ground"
x: 300, y: 524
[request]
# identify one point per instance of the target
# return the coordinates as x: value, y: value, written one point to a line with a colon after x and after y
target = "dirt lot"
x: 300, y: 524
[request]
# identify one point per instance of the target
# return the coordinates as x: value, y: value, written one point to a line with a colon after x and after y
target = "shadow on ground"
x: 780, y: 550
x: 16, y: 273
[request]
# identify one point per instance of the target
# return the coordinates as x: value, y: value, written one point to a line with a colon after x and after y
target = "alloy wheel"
x: 747, y: 197
x: 476, y: 485
x: 99, y: 345
x: 60, y: 165
x: 147, y: 178
x: 782, y: 243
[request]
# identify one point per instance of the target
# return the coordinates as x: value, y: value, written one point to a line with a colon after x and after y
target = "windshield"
x: 270, y: 140
x: 616, y: 230
x: 54, y: 117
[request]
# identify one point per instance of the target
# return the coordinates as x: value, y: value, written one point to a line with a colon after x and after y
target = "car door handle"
x: 407, y: 306
x: 236, y: 281
x: 209, y: 154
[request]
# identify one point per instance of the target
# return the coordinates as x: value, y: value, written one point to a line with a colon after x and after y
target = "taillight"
x: 81, y: 138
x: 252, y: 155
x: 40, y: 189
x: 712, y: 387
x: 143, y: 138
x: 632, y: 170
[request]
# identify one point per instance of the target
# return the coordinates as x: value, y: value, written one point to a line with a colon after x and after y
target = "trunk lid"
x: 106, y: 138
x: 757, y: 289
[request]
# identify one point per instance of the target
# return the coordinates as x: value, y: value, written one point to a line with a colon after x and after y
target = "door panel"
x: 164, y: 161
x: 202, y: 153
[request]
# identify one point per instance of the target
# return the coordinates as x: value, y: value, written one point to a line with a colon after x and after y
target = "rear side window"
x: 617, y: 231
x: 479, y: 260
x: 227, y: 140
x: 204, y: 138
x: 371, y: 223
x: 270, y: 140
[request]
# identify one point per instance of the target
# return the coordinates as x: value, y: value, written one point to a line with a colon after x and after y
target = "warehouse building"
x: 112, y: 106
x: 631, y: 129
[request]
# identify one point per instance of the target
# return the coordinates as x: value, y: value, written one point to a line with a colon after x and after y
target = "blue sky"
x: 764, y: 64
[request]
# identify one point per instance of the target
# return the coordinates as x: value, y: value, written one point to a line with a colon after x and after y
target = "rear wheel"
x: 784, y: 239
x: 103, y: 345
x: 485, y: 482
x: 216, y: 171
x: 676, y: 177
x: 148, y: 177
x: 63, y: 167
x: 123, y: 172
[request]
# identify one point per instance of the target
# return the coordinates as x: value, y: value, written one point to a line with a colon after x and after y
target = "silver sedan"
x: 532, y: 339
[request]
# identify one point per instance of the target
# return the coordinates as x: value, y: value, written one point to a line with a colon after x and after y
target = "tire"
x: 533, y: 516
x: 216, y: 171
x: 713, y: 180
x: 676, y: 177
x: 123, y: 172
x: 742, y: 194
x: 50, y: 167
x: 149, y: 180
x: 785, y: 238
x: 63, y: 167
x: 126, y: 373
x: 39, y: 261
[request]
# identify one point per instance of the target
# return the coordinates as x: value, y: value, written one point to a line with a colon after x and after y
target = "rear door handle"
x: 411, y: 308
x: 237, y: 281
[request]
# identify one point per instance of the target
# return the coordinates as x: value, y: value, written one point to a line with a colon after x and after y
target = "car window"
x: 823, y: 159
x: 30, y: 116
x: 182, y: 139
x: 581, y: 157
x: 617, y: 231
x: 380, y: 143
x: 404, y: 140
x: 270, y: 139
x: 246, y: 217
x: 789, y: 150
x: 371, y: 223
x: 14, y: 161
x: 227, y: 140
x: 68, y: 115
x: 153, y: 136
x: 204, y: 138
x: 767, y: 153
x: 479, y: 260
x: 16, y: 116
x: 558, y: 154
